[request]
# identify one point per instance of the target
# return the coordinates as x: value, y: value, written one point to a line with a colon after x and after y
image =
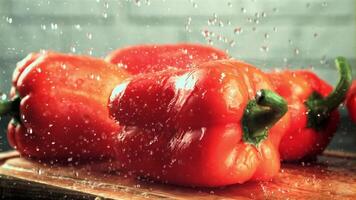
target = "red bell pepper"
x: 199, y: 127
x: 351, y: 102
x: 313, y: 108
x: 59, y: 107
x: 152, y: 58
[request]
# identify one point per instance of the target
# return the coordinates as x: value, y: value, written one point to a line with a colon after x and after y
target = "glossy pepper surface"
x: 158, y: 57
x: 206, y: 126
x: 312, y: 104
x: 351, y: 102
x: 59, y: 107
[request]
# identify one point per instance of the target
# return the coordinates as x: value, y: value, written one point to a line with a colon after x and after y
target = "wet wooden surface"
x: 333, y: 176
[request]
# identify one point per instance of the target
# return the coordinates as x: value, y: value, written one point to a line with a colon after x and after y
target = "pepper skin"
x: 153, y: 58
x: 313, y: 108
x: 351, y: 102
x: 199, y: 127
x: 59, y: 107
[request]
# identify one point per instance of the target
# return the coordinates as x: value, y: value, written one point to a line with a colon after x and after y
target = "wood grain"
x: 333, y: 176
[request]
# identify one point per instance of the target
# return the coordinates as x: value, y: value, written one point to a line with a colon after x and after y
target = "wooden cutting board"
x: 333, y: 176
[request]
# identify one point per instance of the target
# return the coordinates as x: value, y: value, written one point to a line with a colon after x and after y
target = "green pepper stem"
x: 9, y: 106
x: 319, y: 108
x: 261, y: 114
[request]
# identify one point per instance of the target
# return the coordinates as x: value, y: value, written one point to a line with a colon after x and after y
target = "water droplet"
x: 296, y: 51
x: 70, y: 159
x: 54, y: 26
x: 79, y: 82
x: 243, y: 10
x: 184, y: 51
x: 229, y: 4
x: 29, y: 131
x: 64, y: 66
x: 105, y: 15
x: 189, y: 20
x: 232, y: 43
x: 275, y: 29
x: 238, y: 30
x: 266, y: 35
x: 72, y: 49
x: 324, y: 4
x: 3, y: 96
x: 106, y: 4
x: 315, y: 35
x: 195, y: 5
x: 264, y: 48
x: 275, y: 9
x: 90, y: 51
x: 257, y: 15
x: 138, y: 3
x: 221, y: 24
x: 263, y: 14
x: 187, y: 25
x: 9, y: 20
x: 43, y: 27
x: 308, y: 5
x: 89, y: 36
x: 77, y: 26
